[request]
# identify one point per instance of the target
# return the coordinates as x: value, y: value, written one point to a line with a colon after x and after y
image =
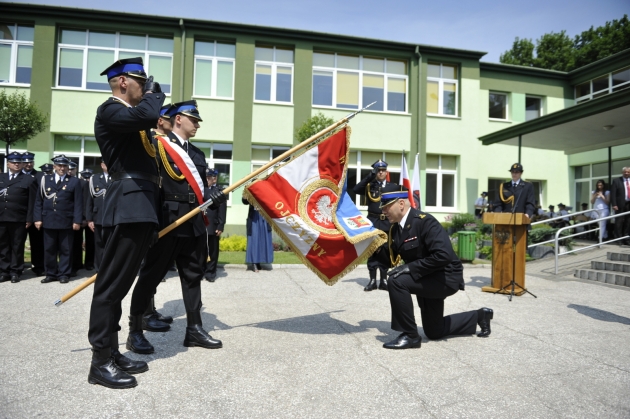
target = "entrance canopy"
x: 599, y: 123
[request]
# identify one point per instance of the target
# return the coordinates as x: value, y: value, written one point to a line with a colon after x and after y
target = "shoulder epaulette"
x: 421, y: 214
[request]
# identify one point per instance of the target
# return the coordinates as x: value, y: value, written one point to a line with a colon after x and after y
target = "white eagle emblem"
x: 323, y: 213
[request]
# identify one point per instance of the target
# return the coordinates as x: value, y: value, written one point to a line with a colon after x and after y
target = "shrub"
x: 459, y: 220
x: 446, y: 225
x: 280, y: 246
x: 486, y: 252
x: 233, y: 244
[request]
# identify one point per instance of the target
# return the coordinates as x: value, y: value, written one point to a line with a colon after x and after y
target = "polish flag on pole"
x: 404, y: 179
x: 415, y: 186
x: 306, y: 203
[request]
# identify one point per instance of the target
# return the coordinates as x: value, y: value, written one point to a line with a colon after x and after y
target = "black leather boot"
x: 484, y: 315
x: 136, y: 342
x: 383, y: 284
x: 151, y: 321
x: 105, y: 372
x: 196, y: 336
x: 127, y: 365
x: 157, y: 315
x: 372, y: 284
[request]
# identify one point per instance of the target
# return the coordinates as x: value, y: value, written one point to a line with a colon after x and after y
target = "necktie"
x: 514, y: 184
x: 628, y: 189
x: 186, y: 146
x: 10, y: 177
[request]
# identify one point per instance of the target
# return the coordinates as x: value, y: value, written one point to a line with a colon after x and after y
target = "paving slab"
x: 297, y: 348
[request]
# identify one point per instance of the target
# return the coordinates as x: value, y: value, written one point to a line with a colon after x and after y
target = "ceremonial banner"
x: 415, y: 186
x: 306, y: 203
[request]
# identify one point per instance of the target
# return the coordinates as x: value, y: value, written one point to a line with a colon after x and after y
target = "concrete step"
x: 609, y: 265
x: 616, y: 278
x: 618, y: 256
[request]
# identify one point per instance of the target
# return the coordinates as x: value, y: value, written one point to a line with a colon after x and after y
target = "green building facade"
x: 256, y: 85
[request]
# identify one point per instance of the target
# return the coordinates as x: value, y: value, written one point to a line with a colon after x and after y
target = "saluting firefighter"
x: 430, y: 269
x: 216, y: 218
x: 59, y: 212
x: 97, y: 187
x: 371, y: 187
x: 184, y: 186
x: 35, y: 236
x: 17, y: 200
x: 516, y: 195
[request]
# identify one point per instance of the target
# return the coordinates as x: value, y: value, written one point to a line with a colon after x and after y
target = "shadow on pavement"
x: 598, y: 314
x: 478, y: 281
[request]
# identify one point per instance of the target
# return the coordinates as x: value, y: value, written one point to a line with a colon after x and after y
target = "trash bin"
x: 466, y: 244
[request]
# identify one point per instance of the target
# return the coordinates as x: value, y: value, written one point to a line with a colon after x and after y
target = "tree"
x: 312, y: 126
x: 20, y: 119
x: 556, y: 51
x: 522, y: 53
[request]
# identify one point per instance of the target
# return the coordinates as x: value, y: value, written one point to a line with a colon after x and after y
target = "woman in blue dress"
x: 259, y: 243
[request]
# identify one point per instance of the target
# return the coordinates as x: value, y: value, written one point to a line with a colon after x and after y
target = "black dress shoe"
x: 484, y: 315
x: 63, y: 280
x: 403, y: 342
x: 211, y: 277
x: 383, y: 285
x: 129, y: 365
x: 153, y: 324
x: 161, y: 317
x: 15, y: 279
x: 371, y: 285
x: 48, y: 279
x: 196, y: 336
x: 106, y: 373
x: 4, y: 278
x: 136, y: 342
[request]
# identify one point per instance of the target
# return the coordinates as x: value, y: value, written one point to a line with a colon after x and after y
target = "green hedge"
x: 233, y: 244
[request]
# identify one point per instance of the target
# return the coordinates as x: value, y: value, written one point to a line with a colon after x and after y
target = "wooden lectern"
x: 506, y: 227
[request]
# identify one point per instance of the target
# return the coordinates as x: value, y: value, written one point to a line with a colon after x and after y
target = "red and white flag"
x: 299, y: 201
x: 404, y: 179
x: 416, y: 202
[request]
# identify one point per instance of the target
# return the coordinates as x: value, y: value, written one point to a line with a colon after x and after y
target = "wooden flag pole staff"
x: 227, y: 190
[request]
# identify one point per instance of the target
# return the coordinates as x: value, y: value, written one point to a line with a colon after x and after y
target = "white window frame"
x: 542, y: 105
x: 359, y: 165
x: 212, y: 162
x: 146, y: 53
x: 79, y: 155
x: 440, y: 80
x: 14, y: 53
x: 602, y: 92
x: 274, y: 75
x: 271, y: 149
x: 361, y: 72
x: 507, y: 106
x: 215, y: 60
x: 438, y: 193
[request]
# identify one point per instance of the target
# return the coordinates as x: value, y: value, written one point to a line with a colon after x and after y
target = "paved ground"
x: 294, y: 347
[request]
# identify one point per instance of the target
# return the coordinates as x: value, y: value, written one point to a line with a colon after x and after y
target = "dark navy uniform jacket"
x: 370, y: 187
x: 117, y: 129
x: 523, y: 198
x: 178, y: 194
x: 425, y: 247
x: 216, y: 216
x: 61, y: 212
x: 94, y: 207
x: 18, y: 199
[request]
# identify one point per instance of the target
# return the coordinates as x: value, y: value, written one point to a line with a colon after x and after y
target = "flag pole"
x: 205, y: 205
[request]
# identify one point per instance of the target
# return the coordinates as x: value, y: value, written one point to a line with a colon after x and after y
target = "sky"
x: 481, y: 25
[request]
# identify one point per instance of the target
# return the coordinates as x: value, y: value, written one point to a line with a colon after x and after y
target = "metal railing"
x: 564, y: 217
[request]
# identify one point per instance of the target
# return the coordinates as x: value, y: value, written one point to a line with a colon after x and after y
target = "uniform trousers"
x: 12, y: 239
x: 213, y: 253
x: 373, y: 263
x: 189, y: 254
x: 77, y: 250
x: 58, y: 243
x: 622, y: 224
x: 98, y: 245
x: 36, y: 239
x: 89, y: 248
x: 430, y: 291
x: 125, y: 246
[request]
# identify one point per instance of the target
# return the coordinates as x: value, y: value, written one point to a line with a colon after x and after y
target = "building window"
x: 218, y: 156
x: 533, y: 107
x: 83, y: 150
x: 274, y: 74
x: 355, y: 81
x: 498, y: 106
x: 262, y: 155
x: 83, y: 55
x: 441, y: 182
x: 214, y: 69
x: 442, y: 89
x: 586, y: 178
x: 360, y: 165
x: 16, y: 53
x: 603, y: 85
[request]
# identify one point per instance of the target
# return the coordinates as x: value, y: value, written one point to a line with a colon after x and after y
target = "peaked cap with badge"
x: 128, y: 66
x: 188, y: 108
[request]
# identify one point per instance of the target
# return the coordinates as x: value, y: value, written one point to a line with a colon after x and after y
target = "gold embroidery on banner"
x: 303, y: 205
x: 167, y: 164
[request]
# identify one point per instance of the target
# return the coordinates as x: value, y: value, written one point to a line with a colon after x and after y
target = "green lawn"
x: 238, y: 258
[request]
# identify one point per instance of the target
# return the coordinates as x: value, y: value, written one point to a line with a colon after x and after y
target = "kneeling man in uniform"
x: 430, y: 269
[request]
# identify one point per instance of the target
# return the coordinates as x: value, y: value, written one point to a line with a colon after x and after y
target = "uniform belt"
x: 381, y: 215
x: 191, y: 198
x: 136, y: 175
